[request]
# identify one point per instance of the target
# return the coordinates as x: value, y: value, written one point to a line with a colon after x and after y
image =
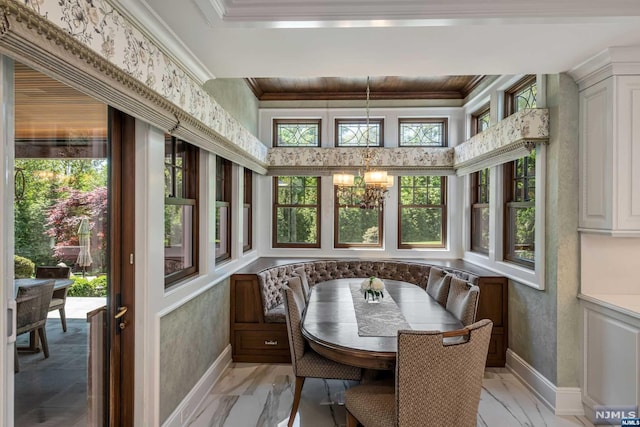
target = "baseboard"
x: 561, y: 400
x: 569, y: 401
x: 186, y: 409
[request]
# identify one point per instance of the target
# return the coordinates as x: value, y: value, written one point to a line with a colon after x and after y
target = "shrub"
x: 84, y: 288
x: 99, y: 285
x: 80, y: 288
x: 23, y: 268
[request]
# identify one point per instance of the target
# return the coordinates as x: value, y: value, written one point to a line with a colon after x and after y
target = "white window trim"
x: 494, y: 261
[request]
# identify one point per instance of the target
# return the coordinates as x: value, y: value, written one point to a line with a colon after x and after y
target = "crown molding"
x: 618, y: 60
x: 145, y: 19
x: 407, y: 10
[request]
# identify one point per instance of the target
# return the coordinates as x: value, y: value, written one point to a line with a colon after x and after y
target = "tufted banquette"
x: 258, y: 331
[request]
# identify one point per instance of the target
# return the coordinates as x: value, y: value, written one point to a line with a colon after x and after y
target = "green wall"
x: 191, y: 339
x: 544, y: 325
x: 235, y: 96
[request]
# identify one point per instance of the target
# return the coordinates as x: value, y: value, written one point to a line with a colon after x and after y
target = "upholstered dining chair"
x: 437, y: 384
x: 438, y: 285
x: 32, y: 304
x: 59, y: 298
x: 307, y: 363
x: 302, y: 274
x: 462, y: 301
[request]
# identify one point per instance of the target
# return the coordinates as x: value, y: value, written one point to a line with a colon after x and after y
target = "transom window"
x: 223, y: 209
x: 480, y: 120
x: 296, y: 133
x: 296, y: 209
x: 520, y: 211
x: 355, y: 226
x: 422, y: 132
x: 180, y: 210
x: 422, y: 212
x: 521, y: 96
x: 354, y: 132
x: 480, y: 211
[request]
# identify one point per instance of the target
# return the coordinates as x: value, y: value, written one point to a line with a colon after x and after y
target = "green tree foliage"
x: 44, y: 181
x: 421, y: 211
x: 358, y: 226
x: 297, y: 209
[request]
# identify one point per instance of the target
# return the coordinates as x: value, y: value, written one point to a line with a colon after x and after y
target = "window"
x: 296, y: 209
x: 520, y: 96
x: 422, y: 212
x: 296, y: 133
x: 480, y: 120
x: 223, y: 209
x: 354, y: 133
x: 180, y: 210
x: 422, y: 132
x: 480, y: 211
x: 355, y: 226
x: 520, y: 211
x: 247, y: 211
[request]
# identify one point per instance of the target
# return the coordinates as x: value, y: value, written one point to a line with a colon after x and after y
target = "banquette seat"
x: 258, y: 331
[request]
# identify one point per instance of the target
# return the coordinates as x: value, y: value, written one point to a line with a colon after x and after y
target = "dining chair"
x: 307, y: 363
x: 438, y: 285
x: 462, y: 301
x: 32, y: 303
x: 59, y: 298
x: 300, y: 272
x: 437, y: 383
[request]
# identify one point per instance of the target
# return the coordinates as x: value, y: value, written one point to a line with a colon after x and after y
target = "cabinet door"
x: 596, y: 148
x: 627, y: 167
x: 611, y: 358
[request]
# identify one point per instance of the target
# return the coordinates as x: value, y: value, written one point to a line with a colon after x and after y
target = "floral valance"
x: 435, y: 161
x: 508, y: 140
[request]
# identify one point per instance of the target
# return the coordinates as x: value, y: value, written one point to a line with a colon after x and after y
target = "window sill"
x: 515, y: 272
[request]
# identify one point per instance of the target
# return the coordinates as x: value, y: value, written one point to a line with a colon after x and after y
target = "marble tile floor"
x: 260, y: 395
x: 53, y: 392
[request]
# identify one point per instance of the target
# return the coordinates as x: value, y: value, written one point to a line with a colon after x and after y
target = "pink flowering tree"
x: 64, y: 216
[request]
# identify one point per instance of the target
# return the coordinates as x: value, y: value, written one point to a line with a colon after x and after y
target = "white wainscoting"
x: 611, y: 364
x: 186, y: 409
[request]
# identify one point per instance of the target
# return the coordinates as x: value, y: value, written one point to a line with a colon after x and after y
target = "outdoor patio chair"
x: 31, y: 314
x: 59, y: 298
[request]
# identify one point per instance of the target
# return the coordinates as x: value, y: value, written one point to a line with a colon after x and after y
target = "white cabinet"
x: 611, y: 355
x: 610, y: 156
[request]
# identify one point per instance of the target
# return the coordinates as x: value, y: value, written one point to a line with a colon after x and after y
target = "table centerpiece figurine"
x: 372, y: 288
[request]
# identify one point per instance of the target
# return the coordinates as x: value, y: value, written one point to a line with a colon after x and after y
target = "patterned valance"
x: 306, y: 161
x: 510, y: 139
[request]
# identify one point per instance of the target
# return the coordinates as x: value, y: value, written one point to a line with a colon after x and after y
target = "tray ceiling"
x: 335, y: 88
x: 411, y: 38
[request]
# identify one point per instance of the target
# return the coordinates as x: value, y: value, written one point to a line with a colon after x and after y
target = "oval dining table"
x: 331, y: 327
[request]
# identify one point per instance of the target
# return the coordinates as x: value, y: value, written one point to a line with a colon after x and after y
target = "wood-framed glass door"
x: 111, y: 149
x: 120, y: 323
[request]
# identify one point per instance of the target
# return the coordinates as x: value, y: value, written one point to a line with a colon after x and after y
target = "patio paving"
x: 53, y: 392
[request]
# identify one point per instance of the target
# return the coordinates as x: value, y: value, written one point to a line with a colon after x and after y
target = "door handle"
x: 11, y: 317
x: 121, y: 312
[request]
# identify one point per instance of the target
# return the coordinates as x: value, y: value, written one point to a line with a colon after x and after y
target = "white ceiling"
x: 342, y: 38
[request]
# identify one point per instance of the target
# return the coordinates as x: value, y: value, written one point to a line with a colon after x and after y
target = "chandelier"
x: 377, y: 182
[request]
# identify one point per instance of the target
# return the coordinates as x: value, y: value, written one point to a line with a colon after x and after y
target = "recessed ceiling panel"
x: 46, y: 109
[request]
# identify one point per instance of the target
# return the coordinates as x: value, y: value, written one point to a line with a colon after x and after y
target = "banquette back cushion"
x: 272, y: 279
